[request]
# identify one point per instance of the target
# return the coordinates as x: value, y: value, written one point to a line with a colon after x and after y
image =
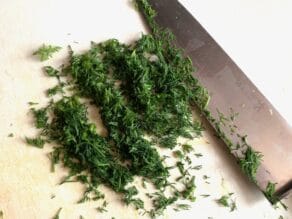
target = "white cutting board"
x: 26, y: 183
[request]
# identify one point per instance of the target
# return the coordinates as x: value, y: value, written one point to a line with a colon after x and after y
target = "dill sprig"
x: 46, y: 51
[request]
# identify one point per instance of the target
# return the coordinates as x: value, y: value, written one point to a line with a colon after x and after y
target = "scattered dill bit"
x: 102, y: 208
x: 1, y: 214
x: 187, y: 148
x: 56, y: 89
x: 53, y: 196
x: 270, y: 193
x: 179, y: 207
x: 128, y: 198
x: 81, y: 217
x: 205, y: 177
x: 199, y: 155
x: 188, y: 192
x: 281, y: 217
x: 223, y: 201
x: 227, y: 201
x: 41, y: 117
x: 50, y: 71
x: 271, y: 196
x: 11, y: 135
x: 36, y: 142
x: 250, y: 163
x: 160, y: 203
x: 32, y: 103
x: 57, y: 216
x: 198, y: 167
x: 178, y: 154
x: 46, y: 51
x: 181, y: 168
x: 205, y: 195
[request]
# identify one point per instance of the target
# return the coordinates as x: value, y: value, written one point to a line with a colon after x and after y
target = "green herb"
x: 205, y: 195
x: 36, y: 142
x: 206, y: 177
x: 57, y: 216
x: 226, y: 201
x: 130, y: 193
x: 145, y: 88
x: 270, y: 194
x: 46, y: 51
x: 11, y: 135
x: 187, y: 148
x: 160, y: 203
x: 50, y: 71
x: 53, y: 91
x: 1, y: 214
x: 198, y: 167
x: 198, y: 155
x: 179, y: 207
x: 32, y: 103
x: 102, y: 208
x: 188, y: 192
x: 178, y: 154
x: 250, y: 163
x: 41, y: 117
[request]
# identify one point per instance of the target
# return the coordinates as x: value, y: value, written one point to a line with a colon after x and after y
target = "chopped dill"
x: 227, y: 201
x: 57, y: 216
x: 102, y: 208
x: 250, y: 163
x: 46, y: 51
x: 36, y: 142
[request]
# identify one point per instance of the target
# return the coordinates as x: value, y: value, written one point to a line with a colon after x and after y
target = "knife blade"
x: 266, y: 130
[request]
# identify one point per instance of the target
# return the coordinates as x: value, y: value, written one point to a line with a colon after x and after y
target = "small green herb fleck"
x: 53, y: 91
x: 226, y: 201
x: 50, y: 71
x: 179, y: 207
x: 11, y: 135
x: 199, y: 155
x: 198, y: 167
x: 36, y: 142
x: 205, y: 195
x: 178, y: 154
x: 57, y: 216
x: 32, y: 103
x: 102, y: 208
x: 46, y: 51
x: 187, y: 148
x: 188, y: 192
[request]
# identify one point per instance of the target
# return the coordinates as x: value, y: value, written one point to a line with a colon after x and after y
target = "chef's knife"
x: 229, y: 88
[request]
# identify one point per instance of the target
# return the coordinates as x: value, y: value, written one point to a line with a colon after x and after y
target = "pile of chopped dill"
x: 145, y: 93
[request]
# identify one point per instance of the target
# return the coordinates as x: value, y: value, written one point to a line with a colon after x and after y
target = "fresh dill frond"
x: 46, y: 51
